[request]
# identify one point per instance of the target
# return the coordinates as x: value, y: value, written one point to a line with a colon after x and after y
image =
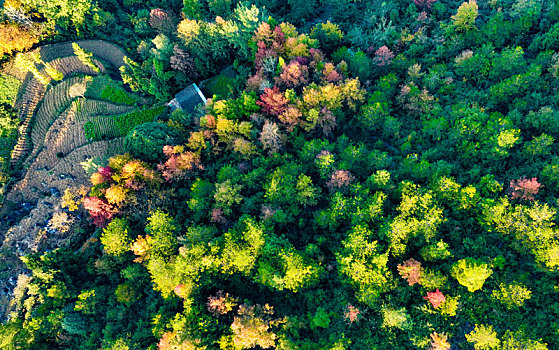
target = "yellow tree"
x: 14, y: 38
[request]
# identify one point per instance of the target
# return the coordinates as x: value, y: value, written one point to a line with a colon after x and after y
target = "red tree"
x: 524, y: 188
x: 339, y: 179
x: 436, y: 298
x: 273, y: 101
x: 424, y: 4
x: 100, y: 211
x: 162, y: 21
x: 383, y: 56
x: 179, y: 164
x: 411, y: 271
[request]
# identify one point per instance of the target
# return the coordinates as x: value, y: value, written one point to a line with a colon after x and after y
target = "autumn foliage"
x: 14, y: 38
x: 524, y: 189
x: 436, y: 298
x: 411, y: 271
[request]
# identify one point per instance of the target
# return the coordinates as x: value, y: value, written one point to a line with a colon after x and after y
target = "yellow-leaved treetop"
x: 465, y: 18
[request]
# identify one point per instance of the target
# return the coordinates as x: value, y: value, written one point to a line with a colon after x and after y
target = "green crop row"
x: 118, y: 125
x: 128, y: 121
x: 117, y: 95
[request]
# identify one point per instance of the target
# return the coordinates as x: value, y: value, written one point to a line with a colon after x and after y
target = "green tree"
x: 363, y: 266
x: 163, y: 230
x: 512, y: 295
x: 241, y: 246
x: 65, y: 13
x: 146, y: 141
x: 328, y: 35
x: 116, y: 238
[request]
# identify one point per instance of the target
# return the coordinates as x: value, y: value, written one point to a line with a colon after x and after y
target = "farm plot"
x: 66, y: 173
x: 103, y: 87
x: 33, y: 95
x: 100, y: 49
x: 88, y: 107
x: 56, y: 100
x: 72, y: 65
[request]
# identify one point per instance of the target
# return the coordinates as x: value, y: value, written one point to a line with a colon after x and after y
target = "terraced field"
x: 53, y: 135
x: 53, y: 143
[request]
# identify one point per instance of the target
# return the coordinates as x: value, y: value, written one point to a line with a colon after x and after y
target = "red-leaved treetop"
x: 180, y: 164
x: 274, y: 39
x: 383, y: 56
x: 293, y: 74
x: 327, y: 121
x: 330, y: 74
x: 182, y: 62
x: 424, y: 4
x: 291, y: 117
x: 273, y: 101
x: 218, y: 216
x: 221, y: 303
x: 162, y: 21
x: 524, y: 188
x: 351, y: 313
x: 439, y: 342
x: 100, y: 211
x: 339, y: 179
x: 411, y: 271
x: 436, y: 298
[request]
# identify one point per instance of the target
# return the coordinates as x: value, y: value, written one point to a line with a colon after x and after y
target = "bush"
x: 146, y: 141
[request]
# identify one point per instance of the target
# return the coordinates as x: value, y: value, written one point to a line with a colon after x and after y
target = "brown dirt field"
x: 101, y: 49
x: 38, y: 180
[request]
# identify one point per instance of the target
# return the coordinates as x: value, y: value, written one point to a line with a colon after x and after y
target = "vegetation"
x: 386, y: 178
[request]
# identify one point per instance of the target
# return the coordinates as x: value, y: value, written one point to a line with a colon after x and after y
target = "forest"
x: 363, y: 175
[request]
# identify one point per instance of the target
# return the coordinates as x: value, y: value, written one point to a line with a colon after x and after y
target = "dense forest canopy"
x: 364, y: 174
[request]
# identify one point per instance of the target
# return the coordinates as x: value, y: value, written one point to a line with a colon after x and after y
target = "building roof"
x: 188, y: 99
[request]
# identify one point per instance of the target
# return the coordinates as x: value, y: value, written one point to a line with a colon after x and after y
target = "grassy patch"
x: 219, y: 85
x: 9, y: 87
x: 104, y: 88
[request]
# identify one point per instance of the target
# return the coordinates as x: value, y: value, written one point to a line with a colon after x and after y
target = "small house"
x: 188, y: 99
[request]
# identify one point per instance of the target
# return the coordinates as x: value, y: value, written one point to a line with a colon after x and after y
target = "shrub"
x: 126, y: 122
x: 9, y: 87
x: 85, y: 57
x: 117, y: 95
